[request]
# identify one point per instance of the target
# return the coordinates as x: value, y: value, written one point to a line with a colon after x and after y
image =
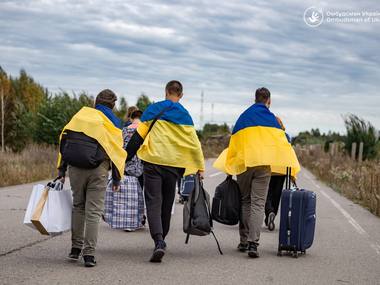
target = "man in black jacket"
x: 88, y: 165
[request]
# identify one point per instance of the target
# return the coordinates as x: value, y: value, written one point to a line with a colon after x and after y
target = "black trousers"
x: 159, y: 188
x: 274, y: 194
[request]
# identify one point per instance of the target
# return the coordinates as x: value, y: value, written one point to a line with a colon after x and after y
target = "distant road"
x: 346, y: 249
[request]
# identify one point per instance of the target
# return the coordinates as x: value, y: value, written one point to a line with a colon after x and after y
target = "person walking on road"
x: 125, y: 208
x: 258, y: 146
x: 274, y: 194
x: 167, y: 142
x: 273, y: 199
x: 90, y: 145
x: 128, y: 116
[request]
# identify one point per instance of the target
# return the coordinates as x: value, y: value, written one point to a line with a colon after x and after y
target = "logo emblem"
x: 313, y: 17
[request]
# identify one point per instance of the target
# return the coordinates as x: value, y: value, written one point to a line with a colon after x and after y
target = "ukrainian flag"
x: 258, y: 139
x: 96, y: 125
x: 173, y: 140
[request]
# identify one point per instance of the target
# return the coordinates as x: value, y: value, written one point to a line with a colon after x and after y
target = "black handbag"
x: 227, y: 202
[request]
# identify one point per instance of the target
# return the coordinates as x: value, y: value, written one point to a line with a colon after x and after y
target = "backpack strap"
x: 217, y: 243
x: 209, y: 213
x: 158, y: 117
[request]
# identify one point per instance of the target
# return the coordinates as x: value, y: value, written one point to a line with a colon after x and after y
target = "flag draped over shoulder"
x: 96, y: 125
x: 173, y: 140
x: 258, y: 139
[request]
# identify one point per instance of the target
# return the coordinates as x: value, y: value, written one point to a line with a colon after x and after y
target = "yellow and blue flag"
x: 173, y: 140
x: 258, y: 139
x: 98, y: 126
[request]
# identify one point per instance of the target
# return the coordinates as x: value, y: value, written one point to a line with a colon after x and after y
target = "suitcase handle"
x: 289, y: 180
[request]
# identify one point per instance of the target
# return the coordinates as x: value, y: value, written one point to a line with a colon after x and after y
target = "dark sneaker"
x: 74, y: 254
x: 159, y: 251
x: 271, y: 218
x: 89, y: 261
x: 252, y: 250
x: 243, y: 247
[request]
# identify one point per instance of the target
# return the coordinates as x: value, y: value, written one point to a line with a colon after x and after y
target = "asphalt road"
x: 346, y: 249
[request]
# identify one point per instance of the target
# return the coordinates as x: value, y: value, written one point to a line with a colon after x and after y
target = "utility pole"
x: 201, y: 116
x: 212, y: 112
x: 2, y: 117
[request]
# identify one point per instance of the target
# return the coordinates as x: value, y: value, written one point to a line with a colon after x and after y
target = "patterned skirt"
x: 125, y: 209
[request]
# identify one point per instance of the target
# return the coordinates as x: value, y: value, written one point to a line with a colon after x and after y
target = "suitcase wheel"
x: 295, y: 254
x: 279, y: 251
x: 303, y: 252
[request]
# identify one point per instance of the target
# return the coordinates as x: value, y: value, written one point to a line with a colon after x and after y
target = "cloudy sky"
x: 225, y: 48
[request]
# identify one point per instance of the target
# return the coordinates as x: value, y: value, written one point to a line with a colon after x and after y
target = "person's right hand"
x: 115, y: 187
x: 61, y: 179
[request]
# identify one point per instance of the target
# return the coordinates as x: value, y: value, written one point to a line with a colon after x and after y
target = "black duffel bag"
x: 227, y: 202
x: 80, y: 150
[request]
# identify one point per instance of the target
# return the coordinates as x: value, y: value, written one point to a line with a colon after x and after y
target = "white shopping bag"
x: 49, y: 209
x: 33, y: 201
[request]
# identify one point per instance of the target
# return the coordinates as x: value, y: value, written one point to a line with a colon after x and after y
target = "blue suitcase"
x: 297, y: 221
x: 186, y: 187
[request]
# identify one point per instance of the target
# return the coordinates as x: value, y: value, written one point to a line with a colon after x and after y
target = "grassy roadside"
x: 360, y: 182
x: 34, y: 163
x: 214, y: 145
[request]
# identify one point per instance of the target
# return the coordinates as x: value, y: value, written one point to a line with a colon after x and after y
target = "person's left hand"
x: 201, y: 174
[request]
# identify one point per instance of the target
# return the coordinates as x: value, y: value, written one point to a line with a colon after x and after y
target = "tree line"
x: 357, y: 130
x: 32, y: 114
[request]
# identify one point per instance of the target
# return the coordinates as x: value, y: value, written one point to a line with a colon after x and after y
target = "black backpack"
x: 196, y: 213
x: 82, y: 151
x: 227, y: 202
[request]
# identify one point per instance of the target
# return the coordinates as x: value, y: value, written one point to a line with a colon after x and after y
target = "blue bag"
x: 187, y: 186
x: 297, y: 221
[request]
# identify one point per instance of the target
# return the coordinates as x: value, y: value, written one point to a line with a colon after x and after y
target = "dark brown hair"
x: 262, y: 95
x: 136, y: 114
x: 174, y: 87
x: 131, y: 110
x: 107, y: 98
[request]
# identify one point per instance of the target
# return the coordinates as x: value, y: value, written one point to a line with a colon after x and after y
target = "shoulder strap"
x: 157, y: 117
x: 209, y: 213
x: 217, y: 243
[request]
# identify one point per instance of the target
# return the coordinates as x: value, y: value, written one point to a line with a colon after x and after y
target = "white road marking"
x: 315, y: 183
x: 376, y: 248
x: 349, y: 218
x: 215, y: 174
x: 307, y: 175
